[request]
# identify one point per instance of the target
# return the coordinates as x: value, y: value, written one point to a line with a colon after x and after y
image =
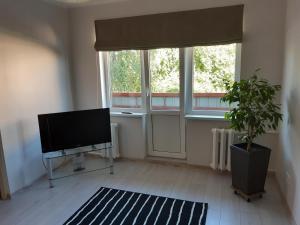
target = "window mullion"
x: 146, y: 75
x: 104, y: 79
x: 107, y: 79
x: 182, y: 89
x: 238, y: 53
x: 188, y: 71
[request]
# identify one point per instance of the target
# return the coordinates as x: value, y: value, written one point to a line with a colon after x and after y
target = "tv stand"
x: 49, y: 156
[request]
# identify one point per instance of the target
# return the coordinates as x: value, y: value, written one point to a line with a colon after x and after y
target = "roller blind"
x: 222, y: 25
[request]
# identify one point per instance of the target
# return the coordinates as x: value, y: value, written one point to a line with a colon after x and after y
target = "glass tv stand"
x: 104, y: 150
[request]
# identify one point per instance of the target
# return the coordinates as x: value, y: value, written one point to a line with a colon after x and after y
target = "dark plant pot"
x: 249, y: 169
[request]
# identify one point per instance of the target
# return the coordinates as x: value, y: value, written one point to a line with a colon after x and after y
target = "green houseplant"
x: 252, y: 113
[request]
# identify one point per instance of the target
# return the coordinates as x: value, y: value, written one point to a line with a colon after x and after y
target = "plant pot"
x: 249, y: 168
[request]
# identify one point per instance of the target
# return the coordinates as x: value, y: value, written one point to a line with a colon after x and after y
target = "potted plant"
x: 253, y: 112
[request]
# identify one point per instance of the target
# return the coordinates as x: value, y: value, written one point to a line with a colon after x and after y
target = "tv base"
x: 78, y: 162
x: 107, y: 147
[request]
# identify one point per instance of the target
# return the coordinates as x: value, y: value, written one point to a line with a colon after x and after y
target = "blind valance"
x: 222, y: 25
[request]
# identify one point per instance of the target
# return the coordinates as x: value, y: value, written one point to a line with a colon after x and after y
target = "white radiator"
x: 222, y: 139
x: 115, y: 140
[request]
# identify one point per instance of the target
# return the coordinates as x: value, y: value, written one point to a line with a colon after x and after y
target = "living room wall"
x: 34, y: 79
x: 288, y: 157
x: 262, y: 48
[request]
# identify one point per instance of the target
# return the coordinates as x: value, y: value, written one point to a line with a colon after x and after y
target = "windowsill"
x: 131, y: 115
x: 188, y: 117
x: 205, y: 117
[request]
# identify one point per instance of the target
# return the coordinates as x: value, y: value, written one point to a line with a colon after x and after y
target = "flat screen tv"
x: 66, y: 130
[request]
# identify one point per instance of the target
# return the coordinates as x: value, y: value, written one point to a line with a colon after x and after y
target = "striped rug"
x: 116, y: 207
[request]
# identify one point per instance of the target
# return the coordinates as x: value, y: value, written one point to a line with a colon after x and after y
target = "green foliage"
x: 164, y: 70
x: 213, y: 65
x: 125, y: 71
x: 254, y: 110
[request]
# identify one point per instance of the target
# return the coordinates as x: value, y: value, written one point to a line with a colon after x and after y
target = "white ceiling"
x: 76, y: 3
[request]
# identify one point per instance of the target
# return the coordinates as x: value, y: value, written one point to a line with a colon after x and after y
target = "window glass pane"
x: 212, y: 65
x: 125, y: 78
x: 164, y: 79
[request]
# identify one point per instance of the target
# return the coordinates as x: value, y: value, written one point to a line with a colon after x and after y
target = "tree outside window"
x: 211, y: 66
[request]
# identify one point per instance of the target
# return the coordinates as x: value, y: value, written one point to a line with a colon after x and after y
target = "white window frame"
x: 105, y: 80
x: 148, y: 86
x: 186, y: 87
x: 189, y: 70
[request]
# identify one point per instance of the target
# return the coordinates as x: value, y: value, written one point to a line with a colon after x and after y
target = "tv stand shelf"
x: 49, y: 156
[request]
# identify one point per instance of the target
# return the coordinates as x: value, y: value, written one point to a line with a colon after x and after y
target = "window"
x: 124, y: 72
x: 164, y: 79
x: 211, y: 66
x: 125, y: 81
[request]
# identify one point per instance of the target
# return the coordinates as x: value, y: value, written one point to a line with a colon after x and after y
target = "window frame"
x: 180, y: 93
x: 106, y: 85
x: 186, y: 84
x: 189, y: 71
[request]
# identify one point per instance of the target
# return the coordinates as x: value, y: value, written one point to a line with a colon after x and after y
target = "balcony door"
x: 165, y: 123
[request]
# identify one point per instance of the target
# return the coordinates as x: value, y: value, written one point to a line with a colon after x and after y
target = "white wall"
x: 262, y: 45
x: 262, y: 48
x: 288, y: 167
x: 34, y: 79
x: 131, y: 143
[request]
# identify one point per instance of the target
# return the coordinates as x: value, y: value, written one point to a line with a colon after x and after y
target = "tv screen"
x: 74, y: 129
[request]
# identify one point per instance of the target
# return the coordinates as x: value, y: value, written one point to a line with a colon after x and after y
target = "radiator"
x: 115, y: 140
x: 222, y: 139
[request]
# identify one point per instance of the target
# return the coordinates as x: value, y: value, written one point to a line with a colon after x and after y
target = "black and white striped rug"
x: 115, y: 207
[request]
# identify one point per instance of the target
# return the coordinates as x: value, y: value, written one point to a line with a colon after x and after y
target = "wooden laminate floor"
x: 39, y: 205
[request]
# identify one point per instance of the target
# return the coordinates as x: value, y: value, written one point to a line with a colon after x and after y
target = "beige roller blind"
x: 211, y: 26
